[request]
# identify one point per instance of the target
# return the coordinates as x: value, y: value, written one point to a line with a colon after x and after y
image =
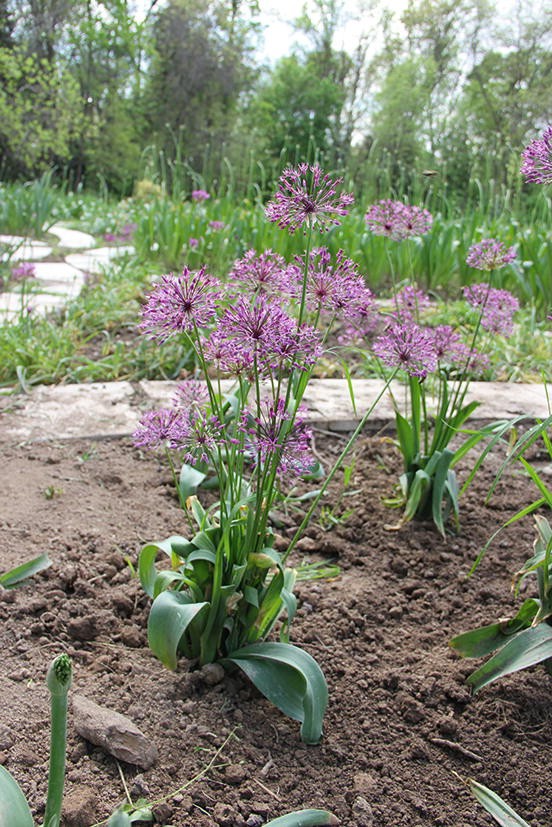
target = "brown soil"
x: 401, y: 722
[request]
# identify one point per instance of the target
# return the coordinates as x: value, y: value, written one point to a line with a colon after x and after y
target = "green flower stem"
x: 58, y: 681
x: 337, y: 466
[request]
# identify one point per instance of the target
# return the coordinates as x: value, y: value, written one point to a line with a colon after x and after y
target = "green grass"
x: 93, y: 338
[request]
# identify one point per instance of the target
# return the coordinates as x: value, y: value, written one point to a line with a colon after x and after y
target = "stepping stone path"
x: 55, y: 282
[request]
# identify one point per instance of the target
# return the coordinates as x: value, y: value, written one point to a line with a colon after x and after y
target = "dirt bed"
x: 401, y: 722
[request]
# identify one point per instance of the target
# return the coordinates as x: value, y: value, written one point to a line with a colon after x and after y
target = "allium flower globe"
x: 490, y: 254
x: 497, y: 307
x: 398, y: 221
x: 307, y: 196
x: 180, y: 304
x: 536, y: 166
x: 407, y: 346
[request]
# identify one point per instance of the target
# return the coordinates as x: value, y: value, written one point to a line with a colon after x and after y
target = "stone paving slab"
x: 72, y: 239
x: 113, y: 409
x: 20, y: 249
x: 94, y: 261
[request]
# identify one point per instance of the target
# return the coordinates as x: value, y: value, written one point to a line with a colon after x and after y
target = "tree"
x: 198, y: 72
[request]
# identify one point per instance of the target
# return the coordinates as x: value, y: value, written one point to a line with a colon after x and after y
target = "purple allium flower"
x: 307, y: 196
x: 537, y: 159
x: 200, y: 195
x: 180, y: 304
x: 163, y: 428
x: 128, y: 231
x: 272, y: 435
x: 497, y: 307
x: 217, y: 225
x: 109, y: 237
x: 265, y: 272
x: 397, y: 220
x: 259, y: 327
x: 191, y: 394
x: 407, y: 346
x: 193, y: 243
x: 489, y: 254
x: 448, y: 345
x: 228, y: 355
x: 410, y: 302
x: 25, y: 270
x: 336, y: 288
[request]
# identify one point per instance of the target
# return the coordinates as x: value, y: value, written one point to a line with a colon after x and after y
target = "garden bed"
x: 401, y: 722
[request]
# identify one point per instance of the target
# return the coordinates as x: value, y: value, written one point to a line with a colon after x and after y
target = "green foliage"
x: 39, y: 113
x: 28, y: 209
x: 496, y: 806
x: 526, y: 639
x: 14, y: 577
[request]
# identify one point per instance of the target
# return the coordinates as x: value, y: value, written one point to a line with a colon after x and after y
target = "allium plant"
x: 265, y: 327
x: 438, y: 363
x: 536, y: 165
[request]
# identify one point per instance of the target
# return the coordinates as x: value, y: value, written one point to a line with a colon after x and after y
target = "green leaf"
x: 482, y: 641
x: 19, y: 574
x: 14, y: 810
x: 291, y: 679
x: 119, y: 819
x: 304, y: 818
x: 496, y: 807
x: 527, y: 648
x: 189, y: 481
x: 171, y: 614
x: 406, y: 439
x: 174, y: 545
x: 443, y: 483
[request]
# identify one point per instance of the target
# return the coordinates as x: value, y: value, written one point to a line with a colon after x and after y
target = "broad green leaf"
x: 119, y: 819
x: 480, y: 642
x: 147, y: 572
x: 440, y: 486
x: 19, y: 574
x: 14, y: 810
x: 291, y: 679
x: 527, y: 648
x: 189, y: 481
x: 171, y: 614
x: 406, y: 439
x: 416, y: 493
x: 543, y: 545
x: 496, y: 806
x: 304, y: 818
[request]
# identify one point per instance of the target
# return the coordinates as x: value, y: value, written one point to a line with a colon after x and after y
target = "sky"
x: 276, y: 16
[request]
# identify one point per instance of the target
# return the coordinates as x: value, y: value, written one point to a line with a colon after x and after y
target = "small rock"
x: 3, y: 757
x: 362, y: 812
x: 364, y: 783
x: 79, y: 807
x: 212, y: 673
x: 234, y: 774
x: 28, y: 757
x: 254, y: 821
x: 260, y: 807
x: 113, y: 732
x: 82, y: 628
x: 6, y: 738
x: 227, y: 816
x: 131, y: 636
x: 162, y: 813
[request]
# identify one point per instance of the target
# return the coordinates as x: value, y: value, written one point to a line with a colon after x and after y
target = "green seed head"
x: 60, y: 674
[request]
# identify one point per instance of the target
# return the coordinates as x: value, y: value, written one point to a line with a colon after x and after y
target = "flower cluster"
x: 410, y: 302
x: 122, y: 236
x: 490, y: 254
x: 25, y: 270
x: 182, y: 304
x: 265, y: 272
x: 497, y: 307
x: 336, y: 289
x: 397, y: 220
x: 537, y: 159
x: 307, y: 196
x: 272, y: 433
x: 407, y: 346
x: 200, y: 195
